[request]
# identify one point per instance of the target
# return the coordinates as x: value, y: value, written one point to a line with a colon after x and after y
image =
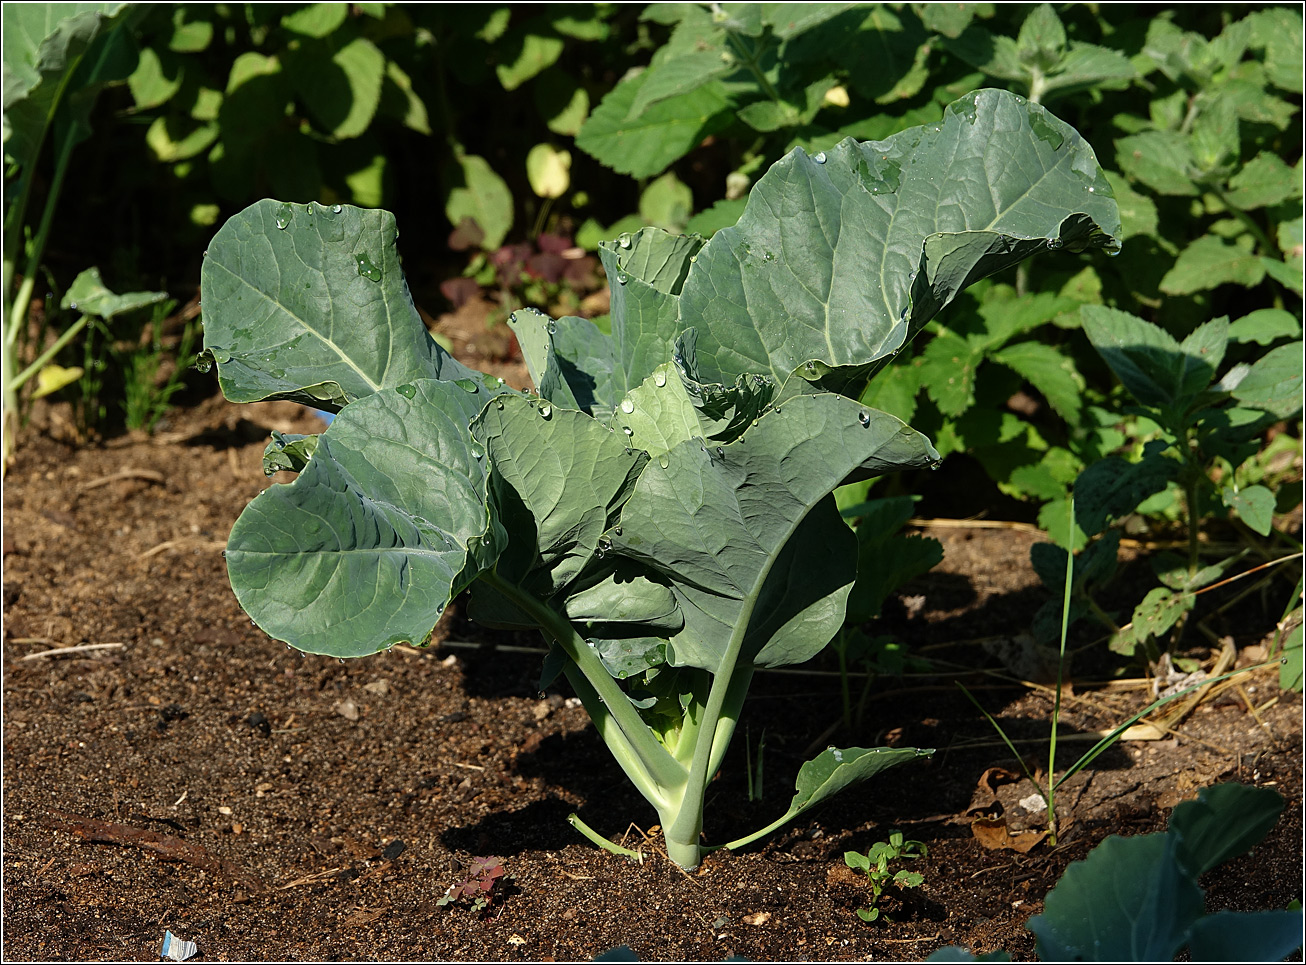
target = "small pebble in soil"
x: 393, y: 850
x: 260, y: 723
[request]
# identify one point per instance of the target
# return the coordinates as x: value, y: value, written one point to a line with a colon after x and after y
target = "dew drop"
x: 336, y: 209
x: 663, y: 461
x: 720, y: 452
x: 628, y: 431
x: 552, y: 327
x: 624, y: 240
x: 498, y: 404
x: 546, y: 412
x: 627, y: 406
x: 622, y: 278
x: 617, y: 531
x: 73, y: 306
x: 659, y: 379
x: 366, y: 268
x: 1091, y: 189
x: 407, y: 390
x: 865, y: 419
x: 284, y: 214
x: 467, y: 385
x: 819, y: 157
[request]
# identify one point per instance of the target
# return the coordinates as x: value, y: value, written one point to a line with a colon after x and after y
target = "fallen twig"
x: 149, y: 475
x: 165, y: 846
x: 58, y: 651
x: 209, y: 544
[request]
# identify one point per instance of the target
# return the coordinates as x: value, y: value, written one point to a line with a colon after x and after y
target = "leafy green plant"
x: 57, y: 59
x: 327, y: 101
x: 662, y: 511
x: 1207, y: 433
x: 1138, y: 899
x: 1049, y: 794
x: 875, y: 865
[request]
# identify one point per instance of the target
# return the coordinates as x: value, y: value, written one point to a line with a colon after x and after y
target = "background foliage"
x: 509, y: 138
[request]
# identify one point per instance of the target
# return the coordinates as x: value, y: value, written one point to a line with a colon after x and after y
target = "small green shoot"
x: 875, y: 863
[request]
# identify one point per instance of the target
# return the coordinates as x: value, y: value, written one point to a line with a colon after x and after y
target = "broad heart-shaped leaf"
x: 387, y: 522
x: 842, y: 256
x: 748, y: 536
x: 308, y: 303
x: 1155, y: 368
x: 1128, y: 901
x: 570, y: 472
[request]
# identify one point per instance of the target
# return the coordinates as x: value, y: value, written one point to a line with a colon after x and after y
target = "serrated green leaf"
x: 681, y: 75
x: 1156, y: 369
x: 484, y: 197
x: 1278, y: 31
x: 1264, y: 326
x: 1263, y: 180
x: 1111, y: 488
x: 1050, y: 371
x: 1274, y: 382
x: 663, y: 133
x: 289, y: 314
x: 948, y: 369
x: 1159, y: 159
x: 361, y: 552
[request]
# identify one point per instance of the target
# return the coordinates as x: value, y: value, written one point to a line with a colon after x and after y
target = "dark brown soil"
x: 272, y: 806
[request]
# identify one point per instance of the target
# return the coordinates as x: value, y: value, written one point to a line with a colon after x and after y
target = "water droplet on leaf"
x: 864, y: 418
x: 467, y: 385
x: 366, y: 268
x: 819, y: 157
x: 663, y: 461
x: 624, y: 240
x: 284, y: 214
x: 336, y: 209
x: 546, y: 411
x: 622, y: 278
x: 627, y: 406
x: 407, y: 390
x: 659, y: 379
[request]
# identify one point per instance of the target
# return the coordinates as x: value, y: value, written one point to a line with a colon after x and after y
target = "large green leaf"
x: 43, y: 44
x: 1274, y: 382
x: 1156, y: 369
x: 571, y: 473
x: 1128, y: 901
x: 483, y: 197
x: 748, y: 533
x: 664, y: 132
x: 362, y: 551
x: 1225, y: 821
x: 308, y: 303
x: 842, y: 256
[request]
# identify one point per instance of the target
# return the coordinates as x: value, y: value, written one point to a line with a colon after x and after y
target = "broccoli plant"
x: 660, y: 507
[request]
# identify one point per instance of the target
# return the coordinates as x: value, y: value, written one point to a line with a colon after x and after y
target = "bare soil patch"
x: 198, y: 778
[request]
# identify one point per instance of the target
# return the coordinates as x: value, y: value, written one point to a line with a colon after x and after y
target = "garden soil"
x: 176, y: 770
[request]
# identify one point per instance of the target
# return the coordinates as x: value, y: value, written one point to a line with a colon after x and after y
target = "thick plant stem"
x: 608, y: 700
